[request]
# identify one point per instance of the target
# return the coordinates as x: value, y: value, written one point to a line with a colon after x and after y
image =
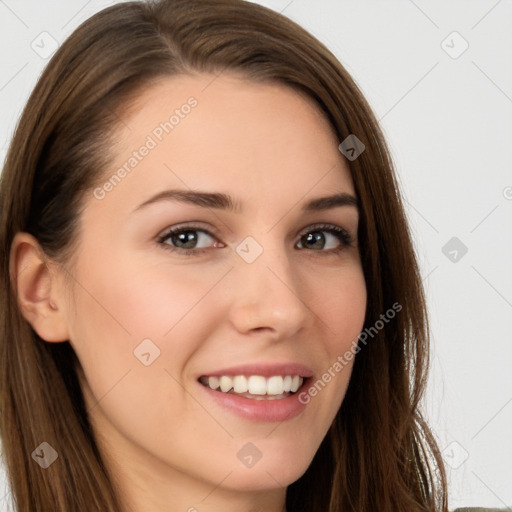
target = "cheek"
x: 119, y: 309
x: 341, y: 304
x: 131, y: 300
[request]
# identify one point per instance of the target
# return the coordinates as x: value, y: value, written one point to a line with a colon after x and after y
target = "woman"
x: 277, y: 366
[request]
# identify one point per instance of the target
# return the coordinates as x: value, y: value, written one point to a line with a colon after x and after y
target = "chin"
x: 267, y: 475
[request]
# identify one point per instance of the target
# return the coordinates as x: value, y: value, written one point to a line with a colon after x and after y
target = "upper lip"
x: 265, y: 370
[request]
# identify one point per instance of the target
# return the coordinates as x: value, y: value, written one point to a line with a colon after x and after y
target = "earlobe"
x: 32, y: 281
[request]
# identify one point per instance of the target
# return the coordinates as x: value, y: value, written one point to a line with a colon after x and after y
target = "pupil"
x: 182, y: 237
x: 314, y: 238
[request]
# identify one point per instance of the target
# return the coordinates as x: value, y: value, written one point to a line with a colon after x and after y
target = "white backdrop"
x: 438, y: 75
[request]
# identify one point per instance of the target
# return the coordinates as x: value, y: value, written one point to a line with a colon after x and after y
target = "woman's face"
x: 265, y: 284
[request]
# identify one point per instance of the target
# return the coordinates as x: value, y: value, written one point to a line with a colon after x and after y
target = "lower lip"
x: 269, y: 411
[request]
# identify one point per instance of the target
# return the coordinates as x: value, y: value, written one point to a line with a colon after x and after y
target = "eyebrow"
x: 222, y: 201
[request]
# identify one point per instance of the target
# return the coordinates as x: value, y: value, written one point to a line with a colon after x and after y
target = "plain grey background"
x: 438, y: 74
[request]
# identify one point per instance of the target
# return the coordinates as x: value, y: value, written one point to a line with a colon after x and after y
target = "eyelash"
x: 341, y: 234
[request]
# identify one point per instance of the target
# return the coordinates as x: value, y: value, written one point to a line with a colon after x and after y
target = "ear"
x: 32, y: 281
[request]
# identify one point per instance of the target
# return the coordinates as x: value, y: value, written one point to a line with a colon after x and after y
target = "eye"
x: 187, y: 239
x: 314, y: 238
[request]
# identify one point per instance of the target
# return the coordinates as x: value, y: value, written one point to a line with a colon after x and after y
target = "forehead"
x: 226, y: 132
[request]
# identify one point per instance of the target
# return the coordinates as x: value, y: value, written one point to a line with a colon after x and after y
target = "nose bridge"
x: 269, y: 292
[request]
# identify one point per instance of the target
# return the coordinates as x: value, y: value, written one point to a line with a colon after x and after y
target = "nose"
x: 268, y: 295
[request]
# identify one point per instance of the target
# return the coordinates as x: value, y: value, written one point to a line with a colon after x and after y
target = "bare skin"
x: 168, y: 444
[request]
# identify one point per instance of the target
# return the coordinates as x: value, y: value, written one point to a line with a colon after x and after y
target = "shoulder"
x: 479, y: 509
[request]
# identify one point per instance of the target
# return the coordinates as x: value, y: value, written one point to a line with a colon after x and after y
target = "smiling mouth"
x: 255, y: 387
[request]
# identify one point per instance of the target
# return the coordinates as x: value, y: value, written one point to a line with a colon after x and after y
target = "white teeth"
x: 255, y: 384
x: 214, y: 382
x: 275, y: 385
x: 240, y: 384
x: 295, y: 383
x: 226, y: 383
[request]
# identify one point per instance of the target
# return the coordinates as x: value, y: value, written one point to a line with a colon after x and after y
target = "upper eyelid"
x: 193, y: 227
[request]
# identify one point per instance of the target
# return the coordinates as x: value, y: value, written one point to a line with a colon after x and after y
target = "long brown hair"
x: 379, y: 453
